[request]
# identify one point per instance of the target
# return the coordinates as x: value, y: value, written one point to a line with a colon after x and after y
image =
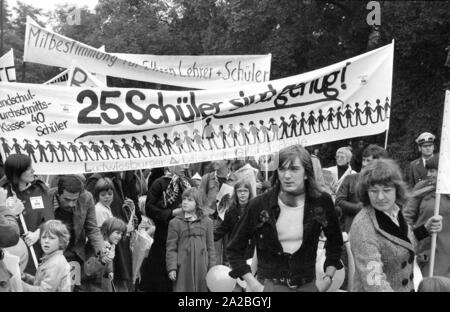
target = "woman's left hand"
x: 324, y: 284
x: 31, y: 237
x: 434, y: 224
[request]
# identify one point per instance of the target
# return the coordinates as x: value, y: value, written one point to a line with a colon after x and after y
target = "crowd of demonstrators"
x: 226, y: 212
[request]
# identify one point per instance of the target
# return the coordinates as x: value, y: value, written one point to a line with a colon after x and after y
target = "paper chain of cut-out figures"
x: 333, y: 120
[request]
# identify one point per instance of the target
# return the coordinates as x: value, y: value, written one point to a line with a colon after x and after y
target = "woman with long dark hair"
x: 285, y: 224
x: 20, y: 183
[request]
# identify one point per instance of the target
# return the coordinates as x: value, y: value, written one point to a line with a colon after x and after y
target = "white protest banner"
x: 62, y: 79
x: 79, y: 77
x: 46, y: 47
x: 221, y: 68
x: 80, y: 130
x: 7, y: 69
x: 443, y: 178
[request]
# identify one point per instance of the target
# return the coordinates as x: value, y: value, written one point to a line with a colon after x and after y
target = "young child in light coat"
x: 53, y: 274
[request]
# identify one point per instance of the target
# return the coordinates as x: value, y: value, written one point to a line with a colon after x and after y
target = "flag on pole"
x: 443, y: 178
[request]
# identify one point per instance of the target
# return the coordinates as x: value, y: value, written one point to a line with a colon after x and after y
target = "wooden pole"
x: 434, y: 236
x: 386, y: 139
x: 267, y: 169
x: 25, y: 229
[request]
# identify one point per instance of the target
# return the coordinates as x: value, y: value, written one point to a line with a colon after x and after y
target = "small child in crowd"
x: 190, y: 246
x: 103, y: 196
x: 99, y: 275
x: 53, y: 274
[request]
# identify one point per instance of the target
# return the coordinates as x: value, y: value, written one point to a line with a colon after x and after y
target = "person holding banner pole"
x: 419, y: 208
x: 21, y: 184
x: 443, y: 183
x: 382, y: 243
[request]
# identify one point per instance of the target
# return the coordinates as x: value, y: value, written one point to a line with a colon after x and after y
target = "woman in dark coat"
x: 20, y: 181
x: 163, y: 202
x: 241, y: 196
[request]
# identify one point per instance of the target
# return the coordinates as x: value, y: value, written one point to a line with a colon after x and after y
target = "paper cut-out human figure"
x: 209, y: 133
x: 5, y: 147
x: 254, y: 132
x: 52, y: 148
x: 116, y: 147
x: 368, y: 112
x: 41, y: 148
x: 127, y: 148
x: 187, y: 141
x: 16, y: 147
x: 96, y: 149
x: 74, y: 149
x: 320, y: 120
x: 357, y: 112
x: 274, y: 128
x: 302, y: 123
x: 63, y: 150
x: 168, y: 144
x: 330, y: 118
x: 85, y: 150
x: 348, y: 115
x: 387, y: 107
x: 311, y: 122
x: 198, y: 140
x: 223, y: 136
x: 284, y: 126
x: 158, y: 144
x: 149, y: 146
x: 233, y: 135
x: 178, y: 143
x: 264, y: 131
x: 293, y: 125
x: 138, y: 147
x: 379, y: 109
x: 29, y: 148
x: 107, y: 149
x: 339, y: 116
x: 244, y: 133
